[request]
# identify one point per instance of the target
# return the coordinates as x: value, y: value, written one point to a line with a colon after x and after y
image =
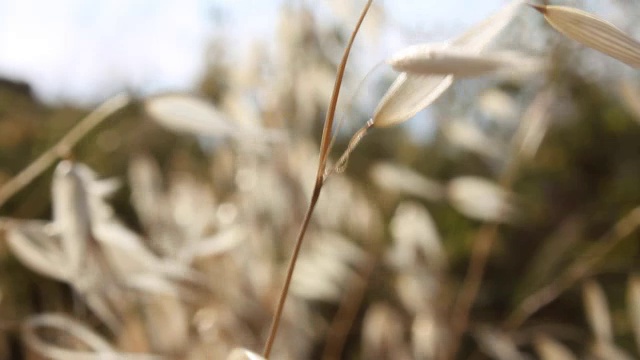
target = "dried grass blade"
x: 607, y: 351
x: 167, y: 324
x: 407, y: 96
x: 404, y: 180
x: 546, y: 262
x: 147, y: 191
x: 99, y: 305
x: 482, y: 34
x: 633, y: 304
x: 597, y: 311
x: 498, y: 345
x: 481, y: 199
x: 630, y: 95
x: 382, y: 333
x: 189, y: 114
x: 534, y: 125
x: 427, y: 336
x: 99, y: 348
x: 30, y: 243
x: 62, y: 147
x: 469, y: 137
x: 243, y: 354
x: 71, y: 213
x: 415, y: 239
x: 550, y: 349
x: 411, y: 93
x: 214, y: 246
x: 593, y: 32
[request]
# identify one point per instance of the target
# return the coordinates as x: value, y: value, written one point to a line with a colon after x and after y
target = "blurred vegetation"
x: 583, y: 180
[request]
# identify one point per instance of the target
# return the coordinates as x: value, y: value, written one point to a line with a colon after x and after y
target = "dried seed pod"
x: 411, y: 93
x: 593, y: 32
x: 71, y: 213
x: 481, y: 199
x: 428, y: 59
x: 189, y: 114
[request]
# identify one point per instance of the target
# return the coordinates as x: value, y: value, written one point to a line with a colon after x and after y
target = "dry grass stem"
x: 576, y: 271
x: 325, y: 144
x: 486, y: 236
x: 347, y: 311
x: 62, y: 147
x: 416, y: 254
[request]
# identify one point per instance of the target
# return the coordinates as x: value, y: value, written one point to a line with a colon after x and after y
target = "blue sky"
x: 86, y: 50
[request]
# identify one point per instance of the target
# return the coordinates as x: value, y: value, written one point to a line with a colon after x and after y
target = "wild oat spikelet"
x: 593, y: 32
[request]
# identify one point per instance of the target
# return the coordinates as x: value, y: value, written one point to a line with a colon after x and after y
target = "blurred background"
x: 182, y: 231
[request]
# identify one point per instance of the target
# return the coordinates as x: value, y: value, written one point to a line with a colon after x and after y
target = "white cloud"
x: 87, y: 50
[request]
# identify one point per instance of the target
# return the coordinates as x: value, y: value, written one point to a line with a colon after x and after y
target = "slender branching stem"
x: 292, y: 264
x: 325, y: 144
x: 483, y: 243
x: 327, y: 130
x: 482, y: 246
x: 62, y: 147
x: 581, y: 268
x: 347, y: 312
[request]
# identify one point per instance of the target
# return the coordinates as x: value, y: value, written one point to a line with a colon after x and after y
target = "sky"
x: 83, y: 51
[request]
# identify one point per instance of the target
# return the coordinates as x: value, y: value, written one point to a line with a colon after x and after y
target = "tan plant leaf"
x: 243, y: 354
x: 95, y: 347
x: 609, y: 350
x: 633, y: 305
x: 324, y: 271
x: 498, y: 345
x: 409, y: 94
x: 37, y: 250
x: 597, y: 311
x: 550, y: 349
x: 189, y: 114
x: 404, y: 180
x: 534, y: 124
x: 481, y: 199
x: 71, y: 212
x: 593, y: 32
x: 481, y: 35
x: 428, y: 337
x: 630, y: 95
x: 468, y: 136
x: 498, y: 106
x: 415, y: 238
x: 382, y: 333
x: 428, y: 59
x: 167, y: 322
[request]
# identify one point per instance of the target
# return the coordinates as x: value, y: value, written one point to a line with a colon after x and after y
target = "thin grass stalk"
x: 575, y: 272
x: 347, y: 313
x: 482, y: 246
x: 62, y: 147
x: 325, y: 144
x: 275, y: 322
